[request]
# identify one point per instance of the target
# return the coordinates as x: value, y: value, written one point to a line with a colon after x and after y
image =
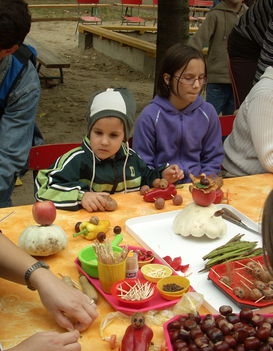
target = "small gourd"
x: 43, y: 240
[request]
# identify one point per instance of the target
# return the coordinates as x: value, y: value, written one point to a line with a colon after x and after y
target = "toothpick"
x: 6, y: 216
x: 244, y: 265
x: 249, y: 281
x: 215, y: 273
x: 229, y: 287
x: 245, y: 285
x: 259, y: 299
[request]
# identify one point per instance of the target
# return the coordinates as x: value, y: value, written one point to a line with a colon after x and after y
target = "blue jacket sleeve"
x: 16, y: 128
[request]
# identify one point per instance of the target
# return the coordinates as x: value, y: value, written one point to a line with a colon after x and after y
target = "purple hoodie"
x: 190, y: 138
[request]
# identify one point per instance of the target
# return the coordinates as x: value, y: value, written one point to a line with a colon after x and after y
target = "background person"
x: 18, y: 105
x: 213, y: 33
x: 71, y: 309
x: 178, y: 126
x: 249, y: 147
x: 250, y: 48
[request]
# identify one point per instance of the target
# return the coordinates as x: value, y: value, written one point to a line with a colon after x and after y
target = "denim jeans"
x: 221, y: 97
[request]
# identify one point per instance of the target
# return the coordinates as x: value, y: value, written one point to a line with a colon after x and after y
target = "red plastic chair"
x: 127, y: 12
x: 42, y: 156
x: 226, y: 124
x: 93, y: 17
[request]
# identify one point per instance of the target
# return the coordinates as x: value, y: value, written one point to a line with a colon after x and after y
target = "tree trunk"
x: 172, y: 27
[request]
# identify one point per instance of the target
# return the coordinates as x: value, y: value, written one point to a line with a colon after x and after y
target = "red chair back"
x: 131, y: 2
x: 226, y: 124
x: 42, y: 156
x: 88, y: 1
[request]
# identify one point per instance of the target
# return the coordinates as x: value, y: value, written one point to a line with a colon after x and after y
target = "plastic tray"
x: 155, y: 233
x: 157, y: 303
x: 231, y: 269
x: 166, y: 333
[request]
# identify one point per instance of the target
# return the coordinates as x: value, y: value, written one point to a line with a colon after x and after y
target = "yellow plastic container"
x: 111, y: 273
x: 150, y: 272
x: 174, y: 279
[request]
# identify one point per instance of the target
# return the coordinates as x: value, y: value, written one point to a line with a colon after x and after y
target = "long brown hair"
x: 267, y: 231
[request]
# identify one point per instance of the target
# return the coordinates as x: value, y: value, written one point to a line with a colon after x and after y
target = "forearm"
x: 13, y: 261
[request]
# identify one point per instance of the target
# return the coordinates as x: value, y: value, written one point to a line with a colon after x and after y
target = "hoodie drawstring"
x: 124, y: 166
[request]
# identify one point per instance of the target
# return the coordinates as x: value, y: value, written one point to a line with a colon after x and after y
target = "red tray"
x: 231, y: 269
x: 157, y: 303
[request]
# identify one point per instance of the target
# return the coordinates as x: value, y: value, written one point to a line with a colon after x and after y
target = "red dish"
x: 126, y: 284
x: 237, y: 273
x: 156, y: 303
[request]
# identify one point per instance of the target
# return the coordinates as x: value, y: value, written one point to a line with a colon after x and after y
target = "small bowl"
x: 149, y: 271
x: 124, y: 285
x: 142, y: 263
x: 88, y: 258
x: 174, y: 279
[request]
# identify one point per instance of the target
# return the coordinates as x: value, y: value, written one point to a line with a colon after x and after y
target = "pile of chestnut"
x: 225, y: 332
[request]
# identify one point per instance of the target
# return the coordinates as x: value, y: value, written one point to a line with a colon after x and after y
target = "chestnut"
x: 258, y: 319
x: 215, y: 334
x: 184, y: 334
x: 195, y: 332
x: 269, y: 320
x: 241, y: 335
x: 262, y: 333
x: 77, y: 227
x: 246, y: 314
x: 233, y: 318
x: 266, y: 325
x: 207, y: 324
x: 174, y: 325
x: 190, y: 324
x: 240, y: 347
x: 225, y: 310
x: 179, y: 344
x: 221, y: 346
x: 252, y: 343
x: 193, y: 347
x: 201, y: 341
x: 265, y: 347
x: 230, y: 340
x: 174, y: 335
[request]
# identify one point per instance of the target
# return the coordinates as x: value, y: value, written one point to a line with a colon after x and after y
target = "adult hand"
x: 50, y: 341
x: 93, y: 201
x: 173, y: 173
x: 71, y: 308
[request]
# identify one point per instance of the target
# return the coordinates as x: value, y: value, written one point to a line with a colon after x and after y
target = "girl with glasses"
x: 178, y: 126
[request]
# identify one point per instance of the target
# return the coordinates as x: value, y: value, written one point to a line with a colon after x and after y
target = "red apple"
x: 44, y: 213
x: 201, y: 198
x: 219, y: 196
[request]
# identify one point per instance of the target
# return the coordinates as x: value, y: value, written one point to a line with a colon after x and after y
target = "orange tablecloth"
x: 22, y: 313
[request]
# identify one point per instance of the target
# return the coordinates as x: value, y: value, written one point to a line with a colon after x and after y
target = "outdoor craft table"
x: 21, y: 311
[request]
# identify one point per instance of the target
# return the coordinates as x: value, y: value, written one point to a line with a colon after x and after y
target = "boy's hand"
x: 172, y: 174
x: 93, y: 202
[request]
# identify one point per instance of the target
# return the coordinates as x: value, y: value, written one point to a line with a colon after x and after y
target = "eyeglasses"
x: 191, y: 81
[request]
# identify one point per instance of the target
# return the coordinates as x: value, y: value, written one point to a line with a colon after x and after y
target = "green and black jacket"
x: 70, y: 176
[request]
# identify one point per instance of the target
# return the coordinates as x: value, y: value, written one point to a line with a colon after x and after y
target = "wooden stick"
x: 249, y: 281
x: 259, y: 299
x: 215, y: 273
x: 244, y: 265
x: 229, y: 287
x: 245, y: 285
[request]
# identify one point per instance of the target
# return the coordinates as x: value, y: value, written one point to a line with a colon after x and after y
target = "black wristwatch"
x: 31, y: 269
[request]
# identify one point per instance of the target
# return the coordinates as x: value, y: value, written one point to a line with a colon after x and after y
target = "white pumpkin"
x: 199, y: 221
x: 43, y: 240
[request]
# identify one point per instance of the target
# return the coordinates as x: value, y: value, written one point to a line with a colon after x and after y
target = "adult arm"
x: 260, y: 121
x: 65, y: 303
x: 16, y: 128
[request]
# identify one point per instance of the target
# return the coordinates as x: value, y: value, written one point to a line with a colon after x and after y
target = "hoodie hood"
x: 171, y: 109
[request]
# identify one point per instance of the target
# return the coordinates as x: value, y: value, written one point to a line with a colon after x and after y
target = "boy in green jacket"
x: 213, y: 33
x: 104, y: 164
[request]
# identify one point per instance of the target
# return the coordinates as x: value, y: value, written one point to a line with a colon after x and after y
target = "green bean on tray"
x: 234, y: 249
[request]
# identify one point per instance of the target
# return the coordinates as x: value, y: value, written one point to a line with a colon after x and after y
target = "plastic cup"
x: 110, y: 274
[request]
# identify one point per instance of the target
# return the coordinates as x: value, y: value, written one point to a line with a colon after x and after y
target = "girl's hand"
x: 173, y: 173
x: 93, y: 201
x: 50, y: 341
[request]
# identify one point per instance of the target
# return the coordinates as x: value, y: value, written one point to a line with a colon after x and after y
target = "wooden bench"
x: 124, y: 39
x: 48, y: 59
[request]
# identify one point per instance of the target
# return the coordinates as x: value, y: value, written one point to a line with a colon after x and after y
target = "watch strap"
x: 31, y: 269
